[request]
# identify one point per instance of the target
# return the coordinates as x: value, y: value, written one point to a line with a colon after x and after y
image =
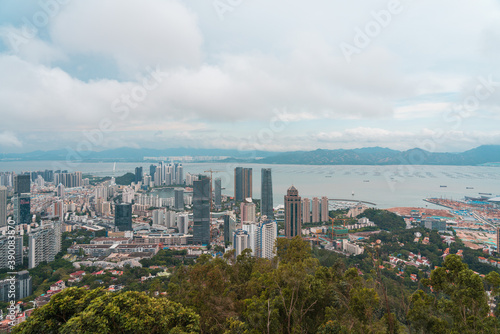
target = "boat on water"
x: 366, y: 180
x: 488, y: 194
x: 443, y: 186
x: 328, y: 176
x: 469, y: 187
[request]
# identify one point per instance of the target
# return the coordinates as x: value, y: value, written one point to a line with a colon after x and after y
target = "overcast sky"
x: 254, y: 74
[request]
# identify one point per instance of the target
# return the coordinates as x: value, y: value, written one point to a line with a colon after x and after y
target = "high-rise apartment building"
x: 3, y: 206
x: 22, y: 287
x: 293, y: 213
x: 179, y: 199
x: 16, y: 245
x: 123, y: 216
x: 179, y: 174
x: 201, y: 211
x: 183, y: 223
x: 266, y: 190
x: 44, y: 244
x: 324, y: 209
x: 58, y: 210
x: 315, y: 210
x: 247, y: 209
x: 251, y: 230
x: 242, y: 183
x: 229, y: 228
x: 152, y: 171
x: 267, y: 233
x: 61, y: 190
x: 158, y: 217
x: 240, y: 241
x: 498, y: 239
x: 69, y: 180
x: 306, y: 210
x: 218, y: 192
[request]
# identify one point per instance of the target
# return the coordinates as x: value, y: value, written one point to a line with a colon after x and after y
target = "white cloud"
x: 9, y: 139
x: 256, y: 61
x: 31, y: 49
x: 135, y: 34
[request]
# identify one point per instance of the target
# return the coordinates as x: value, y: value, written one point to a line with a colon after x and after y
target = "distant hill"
x: 132, y: 154
x: 385, y: 156
x: 125, y: 180
x: 360, y: 156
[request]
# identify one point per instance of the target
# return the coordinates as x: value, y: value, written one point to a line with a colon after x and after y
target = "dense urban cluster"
x: 231, y: 264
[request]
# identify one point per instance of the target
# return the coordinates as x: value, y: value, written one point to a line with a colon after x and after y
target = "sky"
x: 270, y: 75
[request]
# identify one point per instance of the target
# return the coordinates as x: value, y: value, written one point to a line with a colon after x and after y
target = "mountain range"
x: 361, y: 156
x: 385, y: 156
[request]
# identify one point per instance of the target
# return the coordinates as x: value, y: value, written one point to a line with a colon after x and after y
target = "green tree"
x: 80, y: 311
x: 460, y: 303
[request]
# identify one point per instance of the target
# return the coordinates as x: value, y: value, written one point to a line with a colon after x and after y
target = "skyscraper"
x: 16, y: 249
x: 218, y: 192
x: 229, y: 228
x: 201, y: 211
x: 22, y: 209
x: 22, y: 287
x: 179, y: 174
x: 3, y: 206
x: 240, y: 241
x: 152, y: 171
x: 251, y: 230
x: 267, y: 233
x: 247, y: 209
x: 22, y: 184
x: 315, y: 210
x: 138, y: 174
x: 183, y: 223
x: 498, y: 240
x: 324, y: 209
x: 242, y: 183
x: 44, y: 244
x: 293, y: 213
x: 123, y: 216
x: 179, y: 199
x: 61, y: 190
x: 306, y: 210
x: 266, y: 196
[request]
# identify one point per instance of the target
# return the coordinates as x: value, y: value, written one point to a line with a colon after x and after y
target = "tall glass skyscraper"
x: 179, y: 199
x: 22, y: 184
x: 218, y: 192
x: 242, y: 183
x: 123, y: 216
x: 201, y: 211
x: 22, y: 209
x: 266, y: 197
x: 138, y: 174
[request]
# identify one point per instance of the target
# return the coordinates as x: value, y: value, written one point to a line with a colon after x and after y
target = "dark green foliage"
x: 299, y: 291
x: 126, y: 179
x: 384, y: 219
x: 96, y: 311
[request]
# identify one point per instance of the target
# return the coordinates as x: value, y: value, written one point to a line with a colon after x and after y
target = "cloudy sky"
x: 252, y: 74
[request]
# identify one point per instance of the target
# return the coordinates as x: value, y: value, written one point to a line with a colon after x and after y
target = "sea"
x: 384, y: 186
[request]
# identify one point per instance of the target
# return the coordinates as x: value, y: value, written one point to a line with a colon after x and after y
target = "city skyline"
x: 165, y: 73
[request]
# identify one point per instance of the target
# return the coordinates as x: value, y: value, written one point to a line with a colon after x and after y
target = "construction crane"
x: 211, y: 177
x: 334, y: 219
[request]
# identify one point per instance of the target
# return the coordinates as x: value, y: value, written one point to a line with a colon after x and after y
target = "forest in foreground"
x: 293, y: 293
